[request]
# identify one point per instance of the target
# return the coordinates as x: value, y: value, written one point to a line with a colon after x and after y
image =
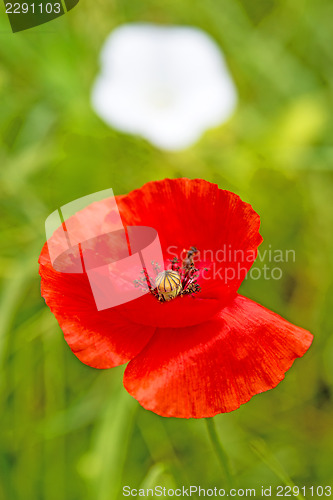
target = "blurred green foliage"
x: 69, y: 432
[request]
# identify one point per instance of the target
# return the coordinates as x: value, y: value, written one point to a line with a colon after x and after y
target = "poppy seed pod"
x: 168, y: 284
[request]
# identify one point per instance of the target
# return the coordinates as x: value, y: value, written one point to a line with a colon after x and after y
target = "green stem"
x: 219, y: 450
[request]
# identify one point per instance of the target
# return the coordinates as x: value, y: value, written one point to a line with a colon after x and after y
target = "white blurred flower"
x: 167, y: 84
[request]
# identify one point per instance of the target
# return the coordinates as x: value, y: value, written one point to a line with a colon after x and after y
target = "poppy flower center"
x: 178, y: 281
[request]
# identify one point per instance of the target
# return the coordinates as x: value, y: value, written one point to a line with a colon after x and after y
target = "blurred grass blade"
x: 219, y: 450
x: 153, y: 476
x: 14, y: 289
x: 260, y: 449
x: 112, y: 441
x: 158, y: 475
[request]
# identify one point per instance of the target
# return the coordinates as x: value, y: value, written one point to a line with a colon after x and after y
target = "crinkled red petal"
x: 197, y: 213
x: 101, y: 339
x: 216, y: 366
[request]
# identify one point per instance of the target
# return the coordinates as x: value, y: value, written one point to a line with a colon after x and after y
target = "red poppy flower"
x: 201, y: 353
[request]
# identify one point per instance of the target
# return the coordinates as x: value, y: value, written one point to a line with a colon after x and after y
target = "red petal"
x: 178, y: 313
x: 215, y: 367
x: 101, y: 339
x: 197, y: 213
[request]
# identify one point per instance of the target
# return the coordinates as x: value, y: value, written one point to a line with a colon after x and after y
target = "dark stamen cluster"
x: 188, y: 272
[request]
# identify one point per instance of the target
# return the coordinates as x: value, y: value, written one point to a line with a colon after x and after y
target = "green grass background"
x: 69, y: 432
